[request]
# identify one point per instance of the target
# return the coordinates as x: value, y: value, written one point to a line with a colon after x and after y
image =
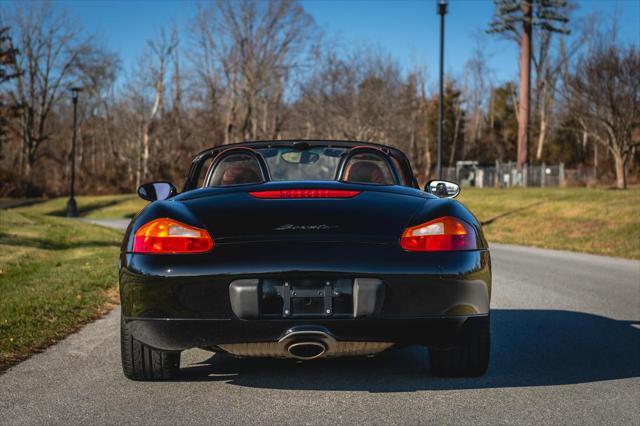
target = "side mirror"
x: 156, y: 191
x: 442, y: 188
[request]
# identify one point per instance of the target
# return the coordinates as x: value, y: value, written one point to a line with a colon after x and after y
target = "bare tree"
x: 603, y: 94
x: 252, y: 48
x: 53, y: 53
x: 147, y: 93
x: 177, y: 86
x: 550, y: 61
x: 477, y: 77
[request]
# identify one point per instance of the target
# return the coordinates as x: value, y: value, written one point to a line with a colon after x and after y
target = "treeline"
x: 248, y: 70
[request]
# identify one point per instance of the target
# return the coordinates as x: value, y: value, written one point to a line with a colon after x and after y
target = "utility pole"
x: 72, y: 207
x: 442, y: 10
x: 525, y: 86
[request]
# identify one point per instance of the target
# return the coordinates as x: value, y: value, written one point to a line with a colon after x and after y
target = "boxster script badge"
x: 290, y: 227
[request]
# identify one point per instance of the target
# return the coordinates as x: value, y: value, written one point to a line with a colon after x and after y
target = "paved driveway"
x: 566, y: 350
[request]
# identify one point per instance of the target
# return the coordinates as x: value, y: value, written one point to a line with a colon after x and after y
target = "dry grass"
x: 598, y: 221
x: 56, y: 274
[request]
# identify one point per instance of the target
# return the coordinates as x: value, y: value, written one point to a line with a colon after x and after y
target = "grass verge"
x: 598, y: 221
x: 55, y: 275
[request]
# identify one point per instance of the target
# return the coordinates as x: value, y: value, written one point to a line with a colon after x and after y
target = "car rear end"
x: 307, y: 270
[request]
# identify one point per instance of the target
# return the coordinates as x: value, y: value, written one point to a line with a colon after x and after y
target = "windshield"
x: 289, y: 163
x: 286, y: 163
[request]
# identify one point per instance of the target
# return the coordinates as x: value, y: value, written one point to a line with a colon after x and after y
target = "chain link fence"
x: 505, y: 175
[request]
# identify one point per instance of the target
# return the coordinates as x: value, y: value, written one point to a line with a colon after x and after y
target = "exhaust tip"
x: 307, y: 350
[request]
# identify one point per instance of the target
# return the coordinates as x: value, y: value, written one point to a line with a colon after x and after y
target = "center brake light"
x: 443, y: 234
x: 304, y: 193
x: 168, y: 236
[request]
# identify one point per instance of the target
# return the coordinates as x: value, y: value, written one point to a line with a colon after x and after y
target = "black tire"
x: 470, y: 357
x: 141, y: 362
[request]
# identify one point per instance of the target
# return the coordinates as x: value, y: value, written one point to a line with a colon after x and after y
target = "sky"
x: 407, y: 29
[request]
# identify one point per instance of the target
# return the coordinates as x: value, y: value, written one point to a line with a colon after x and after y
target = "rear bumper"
x: 180, y: 302
x: 176, y: 335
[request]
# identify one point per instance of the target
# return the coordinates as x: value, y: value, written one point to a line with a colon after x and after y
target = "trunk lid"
x: 376, y: 215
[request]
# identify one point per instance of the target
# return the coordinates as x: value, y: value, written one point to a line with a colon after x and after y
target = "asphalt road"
x: 566, y: 350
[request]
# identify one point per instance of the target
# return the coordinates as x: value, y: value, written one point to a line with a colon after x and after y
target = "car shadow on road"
x: 530, y: 348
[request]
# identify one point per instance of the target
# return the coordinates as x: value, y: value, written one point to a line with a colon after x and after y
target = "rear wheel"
x: 141, y: 362
x: 469, y: 357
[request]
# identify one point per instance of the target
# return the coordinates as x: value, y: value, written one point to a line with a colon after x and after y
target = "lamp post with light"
x: 72, y: 207
x: 442, y: 10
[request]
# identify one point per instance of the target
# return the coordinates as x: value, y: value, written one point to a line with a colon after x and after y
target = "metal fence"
x: 505, y: 175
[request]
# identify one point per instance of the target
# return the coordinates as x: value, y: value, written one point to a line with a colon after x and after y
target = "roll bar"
x: 365, y: 149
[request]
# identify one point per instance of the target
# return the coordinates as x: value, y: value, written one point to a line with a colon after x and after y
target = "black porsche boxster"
x: 303, y: 249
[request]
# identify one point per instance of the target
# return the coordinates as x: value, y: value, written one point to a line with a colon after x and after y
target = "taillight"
x: 166, y: 236
x: 442, y: 234
x: 305, y: 193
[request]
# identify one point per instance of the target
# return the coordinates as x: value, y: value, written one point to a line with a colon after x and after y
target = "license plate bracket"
x: 307, y: 301
x: 308, y: 298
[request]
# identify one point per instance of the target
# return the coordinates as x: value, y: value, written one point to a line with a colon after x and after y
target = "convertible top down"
x: 303, y: 249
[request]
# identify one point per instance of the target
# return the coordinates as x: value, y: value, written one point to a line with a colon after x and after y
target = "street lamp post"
x: 72, y: 207
x: 442, y: 10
